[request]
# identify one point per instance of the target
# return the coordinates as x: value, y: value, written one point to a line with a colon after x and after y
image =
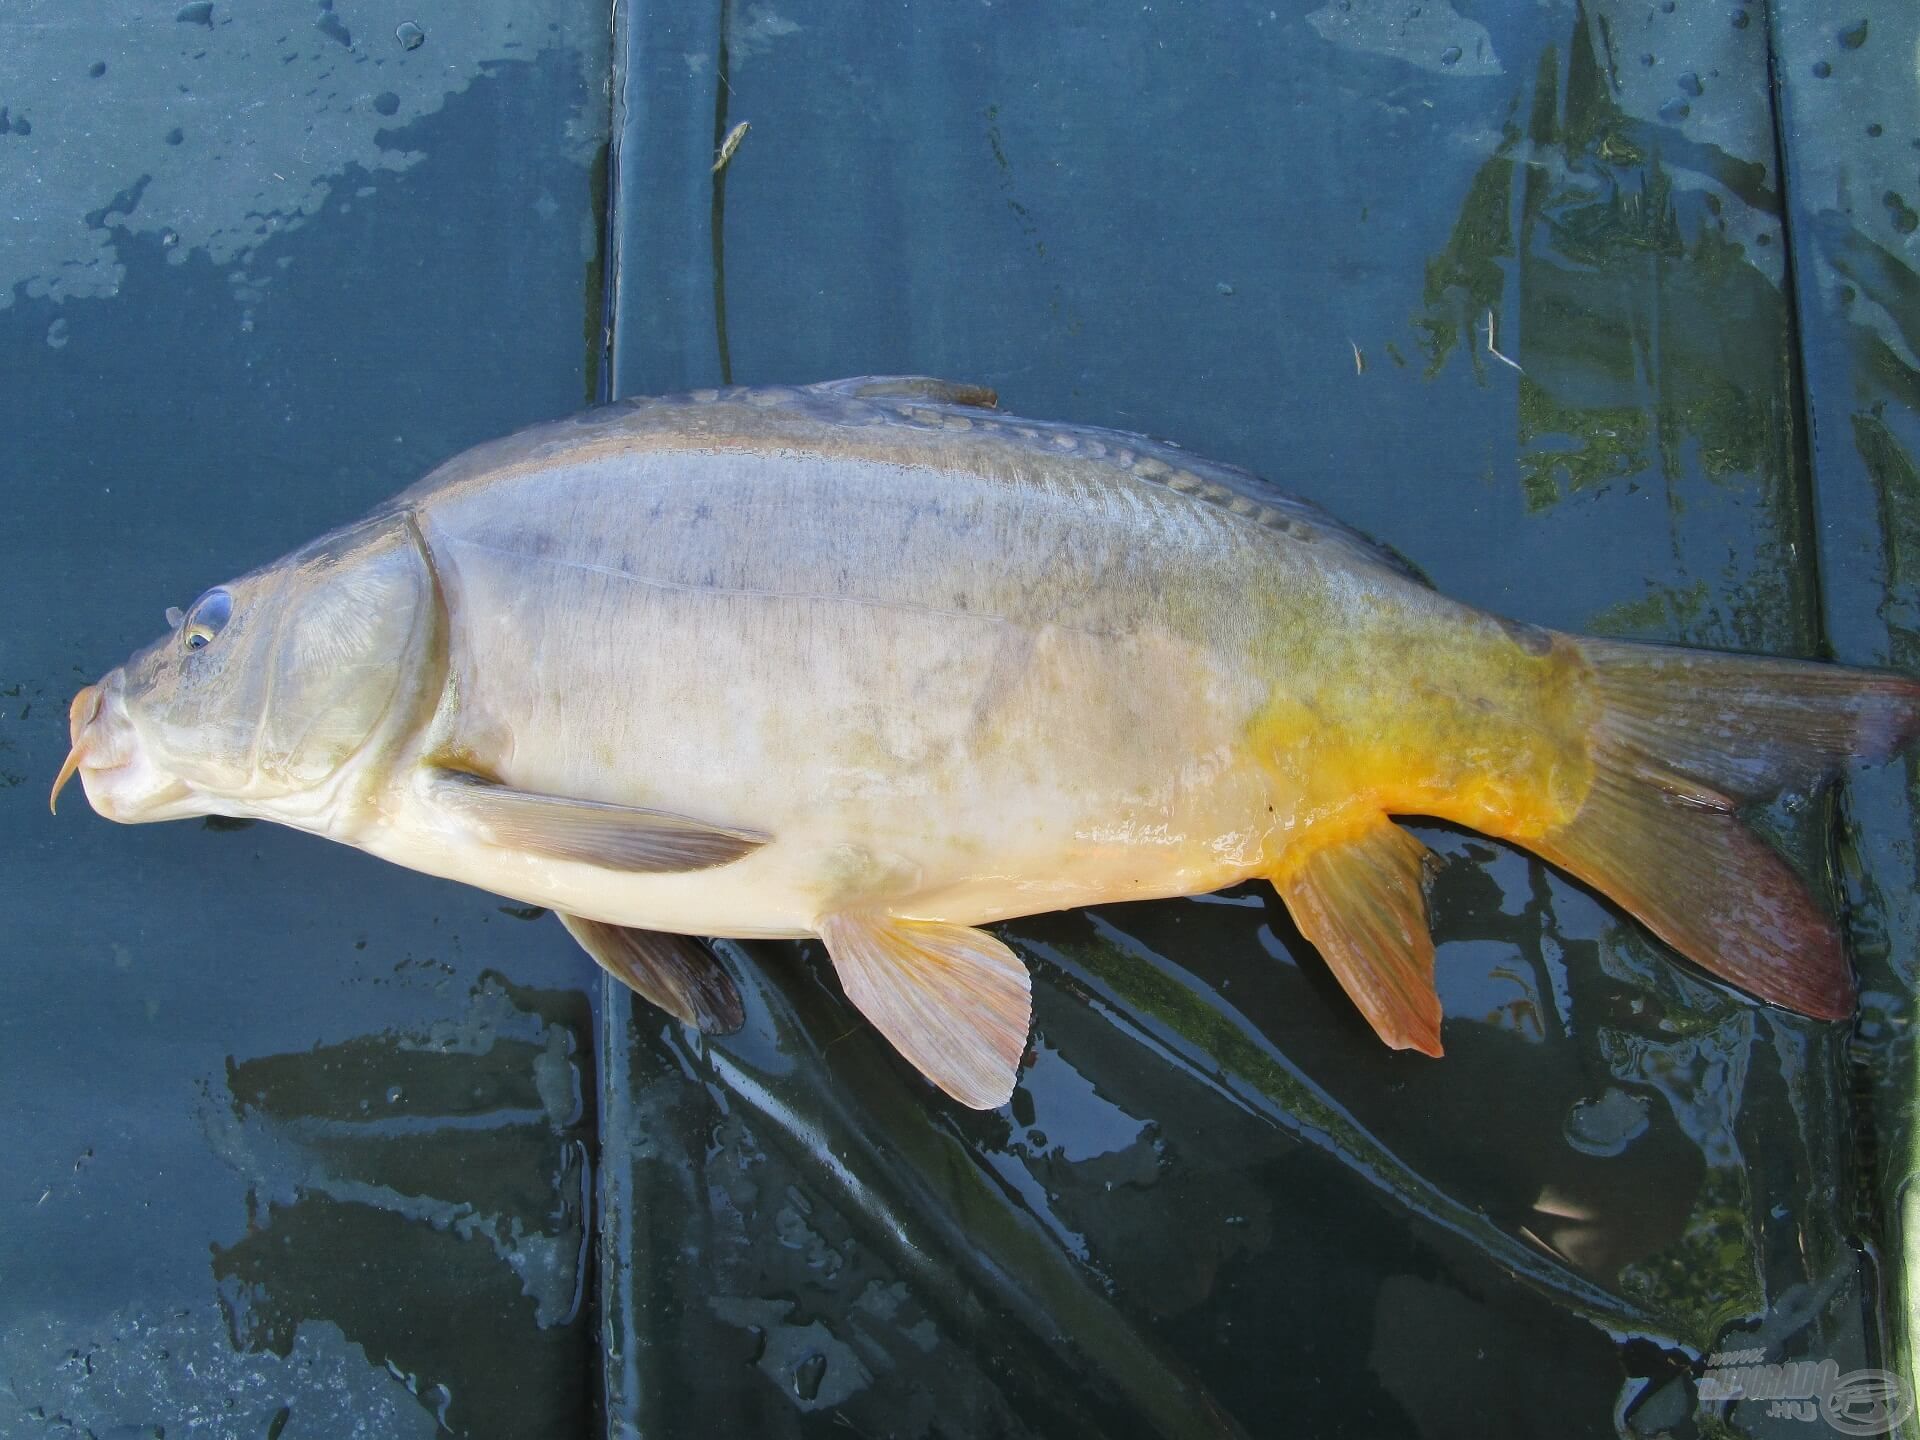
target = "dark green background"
x: 296, y: 1144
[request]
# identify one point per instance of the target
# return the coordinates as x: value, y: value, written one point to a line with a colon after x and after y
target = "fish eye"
x: 206, y: 618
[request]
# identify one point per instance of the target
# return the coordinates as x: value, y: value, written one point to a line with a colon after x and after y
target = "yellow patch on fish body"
x: 1455, y: 721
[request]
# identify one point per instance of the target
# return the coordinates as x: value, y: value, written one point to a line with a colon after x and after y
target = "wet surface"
x: 297, y: 1143
x: 303, y: 1145
x: 1850, y: 112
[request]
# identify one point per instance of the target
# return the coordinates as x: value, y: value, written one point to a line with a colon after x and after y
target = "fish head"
x: 268, y: 689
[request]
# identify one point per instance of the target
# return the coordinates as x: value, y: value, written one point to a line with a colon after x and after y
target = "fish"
x: 874, y: 662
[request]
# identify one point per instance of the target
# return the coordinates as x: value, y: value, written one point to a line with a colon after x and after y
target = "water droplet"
x: 329, y: 25
x: 1450, y: 55
x: 1875, y: 131
x: 176, y: 135
x: 386, y: 102
x: 1690, y: 84
x: 97, y: 69
x: 200, y: 12
x: 1821, y: 69
x: 808, y: 1374
x: 1741, y: 19
x: 1646, y: 58
x: 1666, y: 7
x: 1675, y: 110
x: 1854, y: 36
x: 1902, y: 214
x: 21, y: 126
x: 1222, y: 287
x: 410, y: 35
x: 394, y: 1094
x: 57, y: 337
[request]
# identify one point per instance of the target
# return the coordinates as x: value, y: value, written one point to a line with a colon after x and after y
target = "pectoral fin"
x: 675, y: 972
x: 1363, y: 904
x: 913, y: 387
x: 614, y: 837
x: 954, y: 1001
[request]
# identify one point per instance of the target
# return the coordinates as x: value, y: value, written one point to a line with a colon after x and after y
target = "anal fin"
x: 955, y: 1001
x: 1362, y: 903
x: 675, y: 972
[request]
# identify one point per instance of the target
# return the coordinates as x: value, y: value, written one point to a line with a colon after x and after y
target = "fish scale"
x: 1162, y: 463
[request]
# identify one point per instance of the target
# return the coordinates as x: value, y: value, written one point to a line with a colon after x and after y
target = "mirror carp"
x: 874, y: 662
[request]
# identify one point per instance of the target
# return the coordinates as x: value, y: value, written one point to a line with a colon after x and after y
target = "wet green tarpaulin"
x: 1606, y: 315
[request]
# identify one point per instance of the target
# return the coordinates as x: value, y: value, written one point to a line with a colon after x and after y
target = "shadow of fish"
x: 871, y: 661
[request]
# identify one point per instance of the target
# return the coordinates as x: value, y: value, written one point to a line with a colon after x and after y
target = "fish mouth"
x: 107, y: 756
x: 81, y: 714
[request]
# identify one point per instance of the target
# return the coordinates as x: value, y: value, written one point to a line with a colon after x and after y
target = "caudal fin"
x: 1681, y: 739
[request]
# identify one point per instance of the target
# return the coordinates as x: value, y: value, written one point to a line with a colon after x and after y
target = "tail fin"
x: 1681, y: 738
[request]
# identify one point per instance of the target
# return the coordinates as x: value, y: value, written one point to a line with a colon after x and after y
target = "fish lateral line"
x: 747, y: 592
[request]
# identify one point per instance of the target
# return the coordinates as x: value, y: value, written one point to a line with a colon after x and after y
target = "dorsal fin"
x: 911, y: 387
